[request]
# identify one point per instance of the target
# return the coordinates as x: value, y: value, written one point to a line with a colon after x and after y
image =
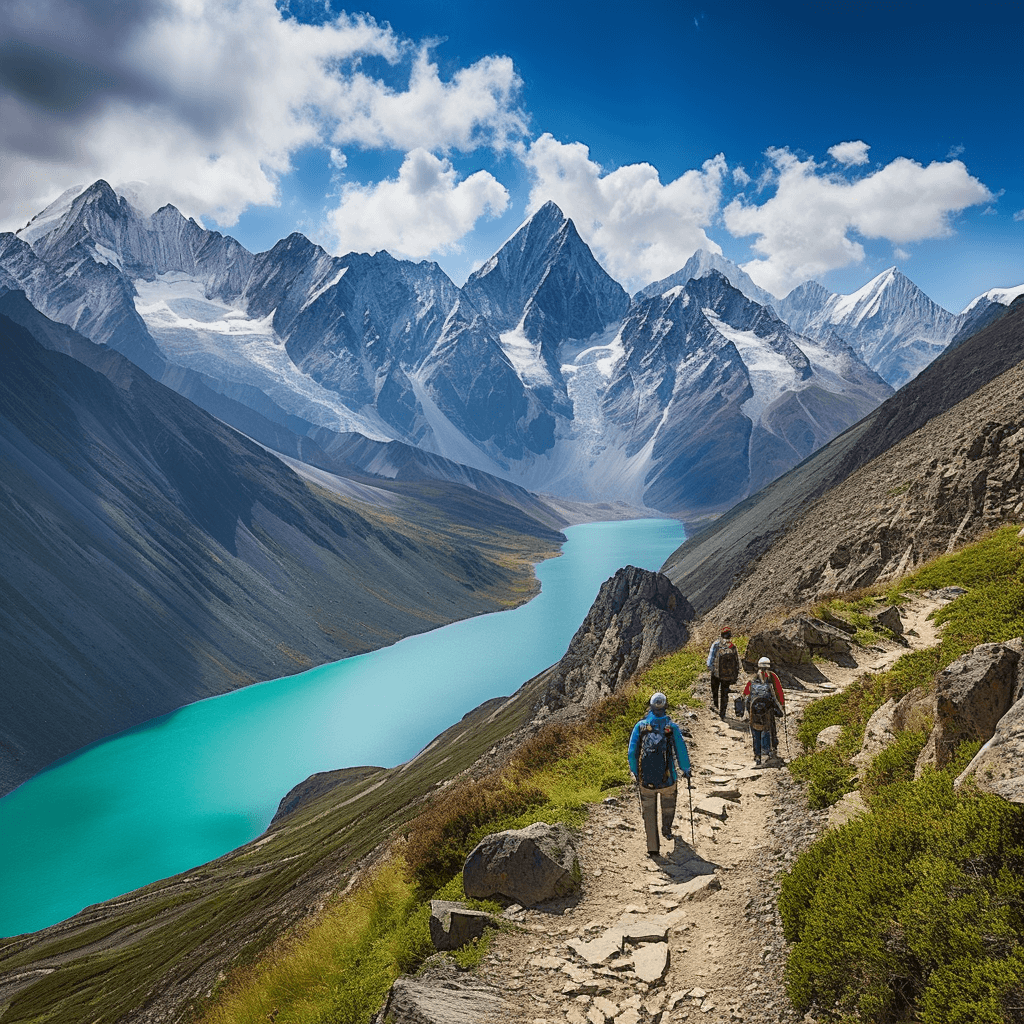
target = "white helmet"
x: 658, y: 701
x: 764, y: 663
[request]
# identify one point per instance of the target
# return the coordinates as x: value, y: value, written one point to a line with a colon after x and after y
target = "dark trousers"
x: 720, y: 695
x: 761, y: 738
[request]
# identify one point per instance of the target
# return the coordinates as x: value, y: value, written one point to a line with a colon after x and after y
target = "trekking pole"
x: 785, y: 726
x: 689, y: 791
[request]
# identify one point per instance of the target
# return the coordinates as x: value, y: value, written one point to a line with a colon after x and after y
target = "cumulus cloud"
x: 207, y: 101
x: 425, y: 210
x: 804, y: 230
x: 1019, y: 215
x: 639, y: 228
x: 850, y: 153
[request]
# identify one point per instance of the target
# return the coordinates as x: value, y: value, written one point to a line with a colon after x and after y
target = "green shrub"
x: 882, y: 910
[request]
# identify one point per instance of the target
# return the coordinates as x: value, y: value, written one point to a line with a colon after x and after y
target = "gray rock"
x: 777, y: 645
x: 638, y: 616
x: 529, y: 865
x: 797, y: 640
x: 828, y: 737
x: 890, y: 619
x: 453, y: 925
x: 971, y: 696
x: 999, y: 766
x: 443, y: 1001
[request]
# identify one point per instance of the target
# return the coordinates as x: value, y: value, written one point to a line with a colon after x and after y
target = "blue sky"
x: 823, y: 140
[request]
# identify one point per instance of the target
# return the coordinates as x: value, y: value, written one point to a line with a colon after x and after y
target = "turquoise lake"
x: 185, y: 788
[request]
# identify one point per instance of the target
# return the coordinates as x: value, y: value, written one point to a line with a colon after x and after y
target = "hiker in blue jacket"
x: 655, y: 747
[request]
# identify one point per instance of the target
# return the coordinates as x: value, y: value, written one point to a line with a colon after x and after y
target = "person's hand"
x: 686, y: 774
x: 633, y: 777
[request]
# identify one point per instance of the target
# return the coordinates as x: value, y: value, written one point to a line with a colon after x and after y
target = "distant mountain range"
x: 540, y: 370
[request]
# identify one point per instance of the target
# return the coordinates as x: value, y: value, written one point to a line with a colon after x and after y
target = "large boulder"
x: 914, y: 710
x: 637, y: 617
x: 999, y: 766
x: 797, y: 640
x: 891, y: 619
x: 529, y: 865
x: 971, y: 696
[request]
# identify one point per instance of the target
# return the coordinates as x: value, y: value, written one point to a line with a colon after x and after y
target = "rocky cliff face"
x: 637, y: 617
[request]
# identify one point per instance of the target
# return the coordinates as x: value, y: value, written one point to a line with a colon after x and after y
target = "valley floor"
x: 715, y: 898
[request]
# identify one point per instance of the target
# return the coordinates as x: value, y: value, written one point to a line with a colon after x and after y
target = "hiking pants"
x: 649, y: 807
x: 720, y: 695
x: 762, y: 742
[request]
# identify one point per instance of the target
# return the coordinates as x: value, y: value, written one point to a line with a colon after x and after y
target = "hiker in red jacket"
x: 765, y: 674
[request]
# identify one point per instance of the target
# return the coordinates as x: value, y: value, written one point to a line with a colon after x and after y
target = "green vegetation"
x: 340, y: 968
x: 992, y: 609
x: 915, y: 910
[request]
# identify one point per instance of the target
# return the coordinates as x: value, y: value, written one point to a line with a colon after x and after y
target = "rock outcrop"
x: 971, y: 696
x: 443, y: 996
x: 638, y: 616
x: 797, y: 641
x: 916, y: 710
x: 529, y: 865
x: 999, y: 766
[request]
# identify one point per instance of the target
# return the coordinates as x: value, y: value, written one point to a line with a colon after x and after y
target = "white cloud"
x: 207, y: 101
x: 740, y: 176
x: 639, y: 229
x: 425, y: 210
x: 804, y: 229
x: 850, y: 153
x: 1019, y: 215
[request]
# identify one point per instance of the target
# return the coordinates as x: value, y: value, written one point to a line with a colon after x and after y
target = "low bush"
x: 443, y: 836
x: 913, y: 912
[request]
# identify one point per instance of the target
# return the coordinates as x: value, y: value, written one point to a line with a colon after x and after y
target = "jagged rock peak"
x: 638, y: 616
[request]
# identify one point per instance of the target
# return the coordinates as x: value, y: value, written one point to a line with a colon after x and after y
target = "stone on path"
x: 651, y: 962
x: 713, y: 807
x: 599, y: 950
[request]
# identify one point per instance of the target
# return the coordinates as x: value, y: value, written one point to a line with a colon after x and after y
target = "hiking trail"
x: 694, y: 935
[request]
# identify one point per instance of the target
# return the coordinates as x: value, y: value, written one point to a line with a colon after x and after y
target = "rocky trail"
x: 694, y: 935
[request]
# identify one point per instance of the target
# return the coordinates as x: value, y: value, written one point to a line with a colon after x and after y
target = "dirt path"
x: 694, y: 935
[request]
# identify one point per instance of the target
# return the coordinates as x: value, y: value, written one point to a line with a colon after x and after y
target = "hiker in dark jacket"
x: 656, y: 746
x: 762, y: 715
x: 724, y: 662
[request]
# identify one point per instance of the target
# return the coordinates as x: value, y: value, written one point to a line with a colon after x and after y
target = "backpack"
x: 762, y: 703
x: 655, y: 757
x: 726, y: 664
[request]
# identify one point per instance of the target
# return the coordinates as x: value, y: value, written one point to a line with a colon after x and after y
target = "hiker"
x: 765, y: 700
x: 724, y: 662
x: 655, y: 747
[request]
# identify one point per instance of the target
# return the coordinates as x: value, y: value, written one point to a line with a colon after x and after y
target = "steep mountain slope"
x: 152, y: 556
x: 715, y: 396
x: 890, y: 322
x: 964, y: 409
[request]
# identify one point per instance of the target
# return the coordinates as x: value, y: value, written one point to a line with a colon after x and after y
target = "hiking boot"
x: 667, y: 833
x: 654, y: 853
x: 757, y: 762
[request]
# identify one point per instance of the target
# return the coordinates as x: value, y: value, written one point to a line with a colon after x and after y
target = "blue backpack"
x: 655, y: 754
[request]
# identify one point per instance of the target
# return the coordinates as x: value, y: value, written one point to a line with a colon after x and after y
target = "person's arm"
x: 746, y: 689
x: 682, y: 754
x: 634, y: 747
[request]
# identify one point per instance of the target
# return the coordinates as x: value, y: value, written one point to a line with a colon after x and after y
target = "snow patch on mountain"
x: 324, y: 287
x: 864, y: 302
x: 526, y: 358
x: 769, y: 371
x: 46, y: 220
x: 224, y: 343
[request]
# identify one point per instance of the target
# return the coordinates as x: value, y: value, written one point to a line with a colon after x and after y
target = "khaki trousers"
x: 649, y: 808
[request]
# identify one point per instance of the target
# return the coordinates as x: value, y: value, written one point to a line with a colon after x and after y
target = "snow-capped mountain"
x: 983, y: 309
x: 540, y: 369
x: 890, y: 322
x: 715, y: 391
x: 702, y: 263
